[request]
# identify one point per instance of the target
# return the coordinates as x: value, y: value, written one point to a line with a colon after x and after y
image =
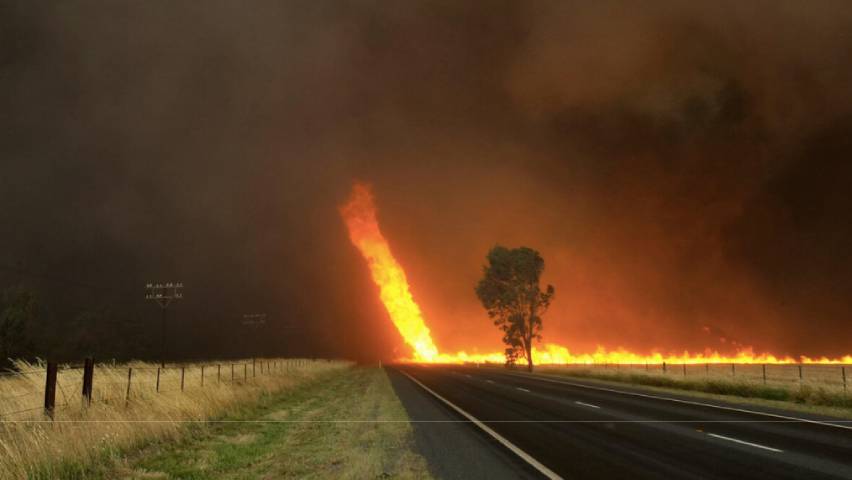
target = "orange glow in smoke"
x: 359, y: 214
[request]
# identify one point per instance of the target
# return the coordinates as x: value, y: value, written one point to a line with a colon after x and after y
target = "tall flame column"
x: 359, y: 214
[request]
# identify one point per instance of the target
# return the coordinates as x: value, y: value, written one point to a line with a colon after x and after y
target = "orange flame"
x: 359, y: 214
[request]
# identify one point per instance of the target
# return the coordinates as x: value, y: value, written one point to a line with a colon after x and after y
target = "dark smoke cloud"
x: 682, y: 167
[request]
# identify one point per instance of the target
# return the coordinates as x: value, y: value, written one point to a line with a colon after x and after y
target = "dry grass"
x: 819, y: 385
x: 349, y: 426
x: 784, y: 376
x: 32, y: 446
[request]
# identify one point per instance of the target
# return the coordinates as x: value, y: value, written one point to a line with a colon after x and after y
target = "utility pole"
x: 257, y: 321
x: 254, y: 321
x: 164, y: 294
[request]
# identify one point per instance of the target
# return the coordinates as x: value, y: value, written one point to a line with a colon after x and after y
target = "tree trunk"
x: 528, y: 337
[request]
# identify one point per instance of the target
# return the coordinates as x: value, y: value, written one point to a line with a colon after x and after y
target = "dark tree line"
x: 32, y: 327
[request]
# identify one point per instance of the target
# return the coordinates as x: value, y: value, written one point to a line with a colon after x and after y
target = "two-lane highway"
x: 578, y: 429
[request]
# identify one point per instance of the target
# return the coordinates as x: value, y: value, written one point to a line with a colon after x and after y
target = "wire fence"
x: 43, y: 391
x: 829, y: 376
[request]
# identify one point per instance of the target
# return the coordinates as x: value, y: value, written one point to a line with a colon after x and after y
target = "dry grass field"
x: 830, y: 377
x: 810, y: 384
x: 120, y: 418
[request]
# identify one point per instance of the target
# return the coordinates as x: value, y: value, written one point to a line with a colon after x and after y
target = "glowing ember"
x: 359, y: 213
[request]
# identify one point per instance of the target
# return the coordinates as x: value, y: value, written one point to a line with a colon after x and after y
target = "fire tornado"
x: 359, y: 213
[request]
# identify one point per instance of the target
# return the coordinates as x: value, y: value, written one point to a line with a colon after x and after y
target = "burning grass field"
x: 814, y: 388
x: 122, y: 419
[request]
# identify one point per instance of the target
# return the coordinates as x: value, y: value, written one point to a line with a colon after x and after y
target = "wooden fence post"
x: 50, y: 389
x: 158, y: 379
x: 706, y: 369
x: 202, y: 375
x: 245, y: 372
x: 800, y: 374
x: 684, y: 370
x: 127, y: 394
x: 843, y: 372
x: 182, y: 372
x: 664, y: 367
x: 218, y: 374
x: 232, y: 373
x: 764, y: 374
x: 88, y: 377
x: 733, y: 369
x: 253, y: 371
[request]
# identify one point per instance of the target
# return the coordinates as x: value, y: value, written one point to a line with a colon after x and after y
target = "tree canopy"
x: 18, y: 311
x: 510, y: 292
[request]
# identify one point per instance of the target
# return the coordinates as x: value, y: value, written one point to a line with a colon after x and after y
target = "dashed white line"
x: 743, y: 442
x: 523, y: 389
x: 490, y: 381
x: 466, y: 375
x: 685, y: 402
x: 587, y: 404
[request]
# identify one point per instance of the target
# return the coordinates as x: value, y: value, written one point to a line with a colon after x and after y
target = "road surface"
x: 577, y: 429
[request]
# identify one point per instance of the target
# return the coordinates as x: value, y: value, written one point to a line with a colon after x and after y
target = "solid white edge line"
x: 677, y: 400
x: 743, y: 442
x: 586, y: 404
x: 523, y: 389
x: 506, y: 443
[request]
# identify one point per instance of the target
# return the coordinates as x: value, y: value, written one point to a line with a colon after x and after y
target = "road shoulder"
x: 452, y: 448
x: 348, y: 425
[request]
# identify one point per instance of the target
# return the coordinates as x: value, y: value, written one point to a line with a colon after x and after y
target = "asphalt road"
x: 453, y: 449
x: 584, y: 430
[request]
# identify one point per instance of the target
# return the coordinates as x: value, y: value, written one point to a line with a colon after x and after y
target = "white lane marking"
x: 743, y: 442
x: 506, y: 443
x: 466, y: 375
x: 686, y: 402
x: 523, y: 389
x: 490, y: 381
x: 587, y: 404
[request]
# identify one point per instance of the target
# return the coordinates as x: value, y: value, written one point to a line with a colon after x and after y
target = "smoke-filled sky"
x: 683, y: 167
